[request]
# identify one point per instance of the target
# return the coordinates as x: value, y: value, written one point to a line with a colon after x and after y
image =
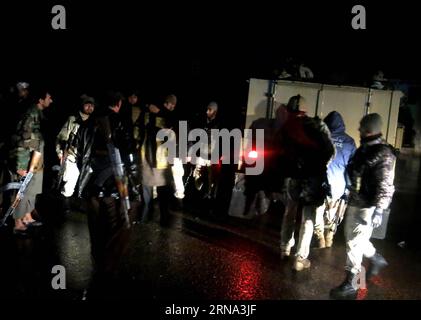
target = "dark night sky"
x: 205, y: 49
x: 248, y: 37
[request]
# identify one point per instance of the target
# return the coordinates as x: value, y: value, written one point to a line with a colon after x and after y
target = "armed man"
x: 107, y: 190
x: 26, y: 142
x: 67, y: 149
x: 204, y: 166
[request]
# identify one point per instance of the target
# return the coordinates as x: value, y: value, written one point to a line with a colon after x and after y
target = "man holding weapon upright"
x: 68, y: 149
x: 26, y: 159
x: 107, y: 190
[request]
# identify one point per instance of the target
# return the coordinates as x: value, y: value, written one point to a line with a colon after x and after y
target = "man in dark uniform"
x: 107, y: 213
x: 371, y: 173
x: 67, y: 148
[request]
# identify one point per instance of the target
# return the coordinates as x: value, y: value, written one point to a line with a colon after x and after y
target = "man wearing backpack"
x: 306, y: 150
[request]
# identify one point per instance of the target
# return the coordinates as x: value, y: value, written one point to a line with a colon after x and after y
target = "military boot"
x: 65, y: 205
x: 348, y: 289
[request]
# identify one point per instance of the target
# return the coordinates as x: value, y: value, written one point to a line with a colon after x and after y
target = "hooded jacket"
x: 345, y: 148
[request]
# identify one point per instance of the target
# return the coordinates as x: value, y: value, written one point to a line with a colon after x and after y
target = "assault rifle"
x: 36, y: 157
x: 66, y: 154
x: 117, y: 166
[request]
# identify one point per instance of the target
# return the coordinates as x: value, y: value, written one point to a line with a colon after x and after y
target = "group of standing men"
x: 113, y: 157
x: 108, y: 157
x: 324, y: 172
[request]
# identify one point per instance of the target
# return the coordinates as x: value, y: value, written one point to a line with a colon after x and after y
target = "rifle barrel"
x: 9, y: 212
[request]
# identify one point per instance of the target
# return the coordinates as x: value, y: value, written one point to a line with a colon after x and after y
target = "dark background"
x: 201, y: 51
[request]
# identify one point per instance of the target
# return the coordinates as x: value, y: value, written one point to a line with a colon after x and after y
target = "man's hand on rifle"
x: 60, y: 158
x: 22, y: 172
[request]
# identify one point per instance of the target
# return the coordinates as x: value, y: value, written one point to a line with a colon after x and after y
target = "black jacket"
x: 148, y: 125
x: 371, y: 171
x: 84, y: 141
x: 306, y: 151
x: 102, y: 178
x: 306, y: 146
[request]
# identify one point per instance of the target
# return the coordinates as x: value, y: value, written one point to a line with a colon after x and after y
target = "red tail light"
x: 253, y: 154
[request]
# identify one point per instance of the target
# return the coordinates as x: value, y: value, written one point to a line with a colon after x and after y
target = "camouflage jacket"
x: 27, y: 138
x: 66, y: 138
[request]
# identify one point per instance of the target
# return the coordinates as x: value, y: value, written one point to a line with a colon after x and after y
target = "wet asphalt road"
x: 204, y: 257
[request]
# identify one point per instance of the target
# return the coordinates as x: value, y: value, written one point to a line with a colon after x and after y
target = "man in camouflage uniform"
x: 28, y: 138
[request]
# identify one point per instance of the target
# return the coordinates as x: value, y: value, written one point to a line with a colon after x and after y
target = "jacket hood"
x: 335, y: 122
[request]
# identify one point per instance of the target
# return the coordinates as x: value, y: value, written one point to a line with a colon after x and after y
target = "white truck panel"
x: 386, y: 103
x: 257, y: 100
x: 286, y: 90
x: 350, y: 102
